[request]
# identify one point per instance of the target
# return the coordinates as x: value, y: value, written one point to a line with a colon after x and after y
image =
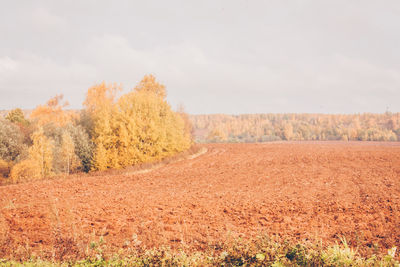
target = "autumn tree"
x: 53, y: 112
x: 69, y: 158
x: 147, y: 128
x: 41, y: 152
x: 12, y: 145
x: 138, y: 127
x: 17, y: 116
x: 149, y: 84
x: 288, y: 131
x: 83, y: 146
x: 100, y: 107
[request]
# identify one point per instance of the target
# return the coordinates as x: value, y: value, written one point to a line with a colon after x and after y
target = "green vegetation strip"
x: 262, y: 252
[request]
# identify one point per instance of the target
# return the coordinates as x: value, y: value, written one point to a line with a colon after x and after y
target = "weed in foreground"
x: 263, y: 251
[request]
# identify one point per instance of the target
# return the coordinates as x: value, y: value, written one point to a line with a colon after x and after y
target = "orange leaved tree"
x: 52, y: 112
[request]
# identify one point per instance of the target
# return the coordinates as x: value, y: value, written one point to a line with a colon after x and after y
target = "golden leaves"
x: 139, y: 127
x: 53, y: 112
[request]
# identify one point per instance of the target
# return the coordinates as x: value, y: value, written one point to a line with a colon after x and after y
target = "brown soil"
x: 298, y: 191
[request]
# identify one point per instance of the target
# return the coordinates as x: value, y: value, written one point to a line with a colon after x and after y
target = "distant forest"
x: 296, y: 127
x: 249, y: 128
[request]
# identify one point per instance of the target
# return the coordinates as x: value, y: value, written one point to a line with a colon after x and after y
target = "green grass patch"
x: 262, y: 252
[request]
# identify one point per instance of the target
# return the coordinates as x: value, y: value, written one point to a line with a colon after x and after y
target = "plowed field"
x: 298, y: 191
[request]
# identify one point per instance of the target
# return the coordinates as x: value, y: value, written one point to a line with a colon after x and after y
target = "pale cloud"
x: 215, y: 57
x: 7, y: 64
x: 43, y: 20
x: 37, y: 79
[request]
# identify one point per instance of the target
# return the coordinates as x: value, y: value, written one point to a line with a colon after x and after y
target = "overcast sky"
x: 213, y: 56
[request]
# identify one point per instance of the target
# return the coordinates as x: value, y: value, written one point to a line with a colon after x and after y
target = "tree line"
x: 296, y: 127
x: 112, y: 131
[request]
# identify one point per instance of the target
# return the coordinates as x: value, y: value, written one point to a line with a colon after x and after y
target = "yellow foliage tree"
x: 288, y: 131
x: 53, y: 112
x: 148, y: 129
x: 144, y: 128
x: 69, y: 158
x: 139, y: 127
x: 100, y: 105
x: 149, y: 84
x: 41, y: 152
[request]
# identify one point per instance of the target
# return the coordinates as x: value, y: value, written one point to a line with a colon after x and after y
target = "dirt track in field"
x: 298, y: 191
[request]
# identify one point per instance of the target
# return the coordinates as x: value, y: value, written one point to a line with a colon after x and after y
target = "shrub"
x: 26, y: 170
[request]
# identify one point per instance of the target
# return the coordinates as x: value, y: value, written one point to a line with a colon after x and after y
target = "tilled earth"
x: 296, y: 191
